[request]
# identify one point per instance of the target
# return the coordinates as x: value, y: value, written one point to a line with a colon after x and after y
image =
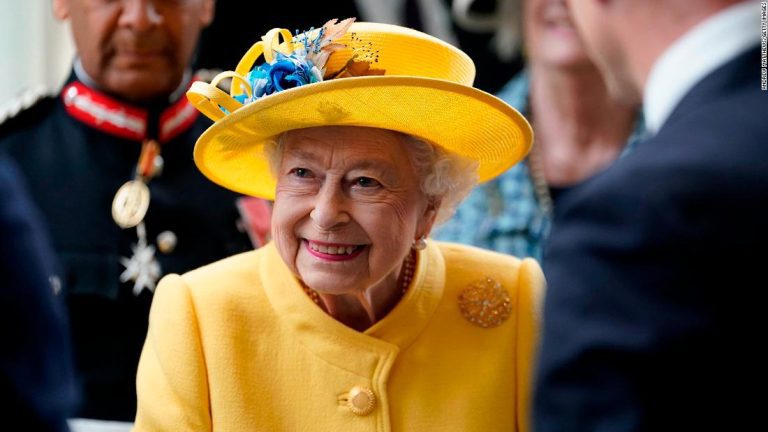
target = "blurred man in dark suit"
x: 36, y: 381
x: 656, y: 266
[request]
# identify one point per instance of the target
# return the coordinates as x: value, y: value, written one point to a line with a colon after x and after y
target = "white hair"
x: 445, y: 178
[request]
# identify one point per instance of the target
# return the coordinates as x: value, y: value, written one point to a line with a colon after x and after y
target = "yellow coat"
x: 238, y: 346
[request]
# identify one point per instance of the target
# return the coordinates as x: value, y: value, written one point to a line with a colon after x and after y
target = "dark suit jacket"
x: 36, y: 377
x: 655, y: 272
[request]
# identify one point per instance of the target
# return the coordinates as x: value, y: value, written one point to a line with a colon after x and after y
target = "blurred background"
x: 36, y: 51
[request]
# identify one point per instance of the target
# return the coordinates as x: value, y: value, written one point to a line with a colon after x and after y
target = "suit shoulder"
x: 25, y: 109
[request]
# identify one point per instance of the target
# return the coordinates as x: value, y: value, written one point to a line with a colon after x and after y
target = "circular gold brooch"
x: 485, y: 303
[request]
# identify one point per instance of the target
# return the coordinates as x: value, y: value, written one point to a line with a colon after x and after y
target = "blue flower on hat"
x: 285, y: 72
x: 304, y: 63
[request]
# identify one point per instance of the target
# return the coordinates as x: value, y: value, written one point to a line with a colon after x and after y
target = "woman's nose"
x: 140, y: 14
x: 330, y: 209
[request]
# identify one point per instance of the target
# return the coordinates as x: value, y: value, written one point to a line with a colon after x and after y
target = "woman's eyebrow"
x: 372, y: 164
x: 302, y: 154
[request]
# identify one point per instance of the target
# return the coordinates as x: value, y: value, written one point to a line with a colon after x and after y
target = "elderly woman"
x: 365, y: 135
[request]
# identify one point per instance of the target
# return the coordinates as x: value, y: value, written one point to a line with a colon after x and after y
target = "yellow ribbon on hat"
x: 236, y: 79
x: 267, y: 46
x: 210, y: 99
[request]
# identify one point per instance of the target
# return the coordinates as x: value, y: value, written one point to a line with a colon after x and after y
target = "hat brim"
x: 461, y: 119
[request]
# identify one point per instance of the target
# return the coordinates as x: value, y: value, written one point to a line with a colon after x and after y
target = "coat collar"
x: 361, y: 353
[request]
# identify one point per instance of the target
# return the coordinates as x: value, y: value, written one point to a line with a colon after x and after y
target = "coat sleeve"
x: 530, y: 295
x: 171, y: 382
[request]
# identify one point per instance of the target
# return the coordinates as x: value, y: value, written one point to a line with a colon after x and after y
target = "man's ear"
x: 209, y: 11
x: 61, y: 9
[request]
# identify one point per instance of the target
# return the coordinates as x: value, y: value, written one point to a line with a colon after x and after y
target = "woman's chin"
x: 328, y: 285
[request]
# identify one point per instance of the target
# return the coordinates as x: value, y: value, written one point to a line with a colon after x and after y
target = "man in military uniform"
x: 109, y: 162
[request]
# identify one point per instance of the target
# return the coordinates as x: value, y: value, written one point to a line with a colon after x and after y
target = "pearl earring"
x: 420, y: 243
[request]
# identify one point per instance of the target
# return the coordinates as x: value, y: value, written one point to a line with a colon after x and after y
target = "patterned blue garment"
x: 504, y: 214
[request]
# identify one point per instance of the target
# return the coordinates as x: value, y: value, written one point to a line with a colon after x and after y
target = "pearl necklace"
x: 405, y: 278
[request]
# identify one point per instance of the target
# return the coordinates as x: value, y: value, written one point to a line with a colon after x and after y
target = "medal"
x: 128, y: 210
x: 142, y: 268
x: 130, y: 204
x: 131, y: 201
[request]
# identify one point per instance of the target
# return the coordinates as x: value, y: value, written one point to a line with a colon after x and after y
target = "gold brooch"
x: 485, y: 303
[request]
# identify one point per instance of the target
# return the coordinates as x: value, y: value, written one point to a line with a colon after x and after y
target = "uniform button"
x: 166, y: 242
x: 361, y: 400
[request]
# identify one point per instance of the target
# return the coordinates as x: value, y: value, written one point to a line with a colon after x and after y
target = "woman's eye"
x: 301, y: 172
x: 366, y: 182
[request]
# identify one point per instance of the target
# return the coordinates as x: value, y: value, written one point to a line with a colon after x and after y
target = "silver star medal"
x: 142, y: 268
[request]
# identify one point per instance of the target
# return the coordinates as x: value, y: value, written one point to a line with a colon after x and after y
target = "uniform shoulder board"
x: 26, y: 100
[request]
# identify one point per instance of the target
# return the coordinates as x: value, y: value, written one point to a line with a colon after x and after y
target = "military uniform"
x: 77, y: 148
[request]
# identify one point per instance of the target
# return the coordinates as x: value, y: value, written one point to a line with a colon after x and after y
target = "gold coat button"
x: 361, y: 400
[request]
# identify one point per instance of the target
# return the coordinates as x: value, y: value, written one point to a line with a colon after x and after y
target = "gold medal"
x: 132, y: 199
x: 130, y: 204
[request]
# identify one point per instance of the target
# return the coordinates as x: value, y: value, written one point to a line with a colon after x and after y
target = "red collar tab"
x: 109, y: 115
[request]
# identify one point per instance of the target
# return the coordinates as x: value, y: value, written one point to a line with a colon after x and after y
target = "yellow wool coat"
x: 238, y: 346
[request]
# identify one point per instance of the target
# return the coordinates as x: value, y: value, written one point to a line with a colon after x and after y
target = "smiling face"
x: 348, y: 207
x: 136, y: 49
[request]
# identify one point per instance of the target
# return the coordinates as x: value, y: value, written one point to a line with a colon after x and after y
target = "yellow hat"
x: 359, y: 74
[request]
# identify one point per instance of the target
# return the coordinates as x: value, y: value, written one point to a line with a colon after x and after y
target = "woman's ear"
x: 424, y: 228
x: 61, y: 9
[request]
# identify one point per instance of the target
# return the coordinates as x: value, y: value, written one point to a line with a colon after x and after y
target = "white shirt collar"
x: 700, y: 51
